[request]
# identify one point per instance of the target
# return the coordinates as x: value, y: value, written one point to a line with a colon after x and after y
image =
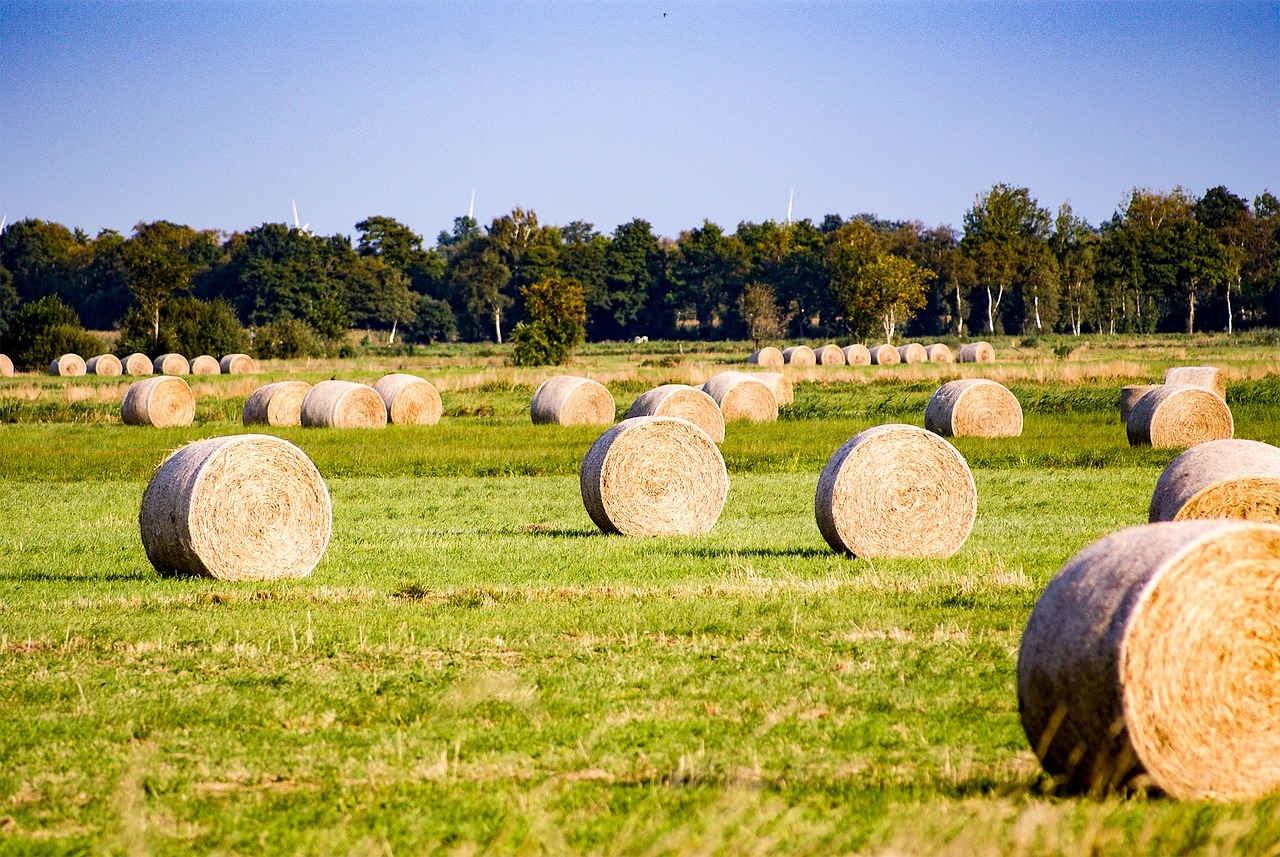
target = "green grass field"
x: 474, y: 668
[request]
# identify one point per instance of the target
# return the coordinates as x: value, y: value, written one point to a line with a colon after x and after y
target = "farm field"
x: 474, y: 668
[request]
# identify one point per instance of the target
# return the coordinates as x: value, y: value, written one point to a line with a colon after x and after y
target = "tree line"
x: 1165, y: 261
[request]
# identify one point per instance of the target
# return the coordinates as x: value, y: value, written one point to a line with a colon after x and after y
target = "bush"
x: 558, y: 311
x: 44, y: 330
x: 285, y: 338
x: 187, y: 326
x: 435, y: 322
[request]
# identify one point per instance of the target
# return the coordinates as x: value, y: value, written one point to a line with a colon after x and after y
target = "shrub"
x: 43, y: 330
x: 285, y: 338
x: 435, y: 322
x: 187, y: 326
x: 557, y: 311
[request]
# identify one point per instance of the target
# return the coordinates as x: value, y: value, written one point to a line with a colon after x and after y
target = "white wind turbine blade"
x: 295, y: 215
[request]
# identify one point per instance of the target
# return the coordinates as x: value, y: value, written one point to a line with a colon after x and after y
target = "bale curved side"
x: 171, y: 364
x: 742, y: 396
x: 857, y: 355
x: 138, y: 363
x: 237, y: 364
x: 800, y: 355
x: 1220, y: 479
x: 884, y: 355
x: 939, y: 353
x: 767, y: 356
x: 68, y: 366
x: 205, y: 364
x: 1204, y: 377
x: 977, y: 352
x: 410, y: 400
x: 6, y: 366
x: 343, y: 404
x: 1179, y: 416
x: 683, y: 401
x: 1130, y: 395
x: 780, y: 384
x: 164, y: 401
x: 276, y: 404
x: 973, y: 407
x: 912, y: 352
x: 830, y: 355
x: 569, y: 400
x: 104, y: 364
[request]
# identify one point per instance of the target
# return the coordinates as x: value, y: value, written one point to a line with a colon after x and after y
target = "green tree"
x: 762, y: 314
x: 188, y: 326
x: 1005, y: 235
x: 708, y: 271
x: 557, y: 322
x: 476, y: 280
x: 633, y: 264
x: 162, y: 258
x: 42, y: 257
x: 1074, y: 245
x: 399, y: 247
x: 43, y: 330
x: 887, y: 290
x: 434, y: 321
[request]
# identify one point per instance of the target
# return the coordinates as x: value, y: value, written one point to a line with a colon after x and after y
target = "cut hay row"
x: 276, y: 404
x: 896, y: 491
x: 1130, y: 395
x: 104, y: 364
x: 343, y: 404
x: 977, y: 352
x: 1151, y: 659
x: 800, y: 355
x: 6, y: 366
x: 654, y: 476
x: 205, y: 365
x: 164, y: 401
x: 237, y: 364
x: 569, y: 400
x: 685, y: 402
x: 409, y: 400
x: 245, y: 507
x: 857, y: 355
x: 171, y: 364
x: 913, y: 352
x: 742, y: 396
x: 780, y: 384
x: 767, y: 356
x: 1204, y: 377
x: 830, y: 355
x: 1179, y: 416
x: 138, y: 363
x: 68, y: 366
x: 973, y: 407
x: 884, y: 355
x: 1220, y: 479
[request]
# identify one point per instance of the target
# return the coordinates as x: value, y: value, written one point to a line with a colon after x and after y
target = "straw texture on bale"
x: 245, y: 507
x: 104, y: 364
x: 973, y: 407
x: 1129, y: 397
x: 6, y: 366
x: 742, y: 396
x: 767, y: 356
x: 163, y: 402
x: 1220, y: 479
x: 830, y: 355
x: 977, y: 352
x: 913, y: 352
x: 884, y: 355
x: 171, y: 364
x: 237, y: 364
x: 410, y: 400
x: 896, y: 490
x: 68, y: 365
x: 276, y: 404
x: 1205, y: 377
x: 939, y: 353
x: 1179, y: 416
x: 1151, y: 659
x: 205, y: 364
x: 800, y: 355
x: 780, y: 385
x: 857, y: 355
x: 683, y: 401
x: 138, y: 363
x: 568, y: 400
x: 654, y: 476
x: 343, y: 404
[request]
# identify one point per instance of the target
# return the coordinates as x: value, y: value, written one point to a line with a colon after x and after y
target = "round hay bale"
x: 857, y: 355
x: 410, y: 400
x: 977, y: 352
x: 171, y: 364
x: 104, y: 364
x: 205, y: 365
x: 6, y: 366
x: 343, y: 404
x: 1179, y: 416
x: 237, y: 364
x: 68, y: 366
x: 277, y: 404
x: 913, y: 353
x: 1220, y: 479
x: 830, y: 355
x: 163, y: 402
x: 568, y: 400
x: 742, y: 396
x: 1151, y: 659
x: 245, y: 507
x: 138, y: 363
x: 896, y: 490
x: 1204, y: 377
x: 685, y: 402
x: 800, y: 355
x: 973, y: 407
x: 767, y: 356
x: 884, y: 355
x: 1129, y: 397
x: 780, y: 385
x: 654, y: 476
x: 939, y: 353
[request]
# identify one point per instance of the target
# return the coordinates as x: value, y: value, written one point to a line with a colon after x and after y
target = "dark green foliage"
x: 557, y: 313
x: 187, y: 326
x: 42, y: 331
x: 285, y: 338
x: 435, y: 322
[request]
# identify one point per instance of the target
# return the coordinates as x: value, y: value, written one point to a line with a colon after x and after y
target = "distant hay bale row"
x: 6, y: 366
x: 1220, y: 479
x: 237, y: 364
x: 767, y: 356
x: 138, y: 363
x: 830, y: 355
x: 569, y: 400
x: 104, y: 364
x: 68, y: 366
x: 977, y: 352
x: 171, y: 364
x: 276, y: 404
x: 1150, y: 659
x: 857, y: 355
x: 245, y: 507
x: 884, y: 355
x: 742, y: 396
x: 685, y: 402
x: 853, y: 355
x: 912, y: 353
x: 973, y: 407
x: 409, y: 400
x: 800, y: 355
x: 205, y: 365
x: 343, y: 404
x: 164, y: 401
x: 1178, y: 416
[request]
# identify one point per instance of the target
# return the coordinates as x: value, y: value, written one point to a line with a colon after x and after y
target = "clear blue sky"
x: 217, y: 115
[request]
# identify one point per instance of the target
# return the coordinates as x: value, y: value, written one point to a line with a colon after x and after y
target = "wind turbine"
x: 789, y: 202
x: 3, y: 221
x: 304, y: 227
x: 471, y: 209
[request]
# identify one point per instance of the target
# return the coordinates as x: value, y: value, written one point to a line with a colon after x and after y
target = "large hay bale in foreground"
x: 245, y: 507
x: 800, y: 355
x: 138, y: 363
x: 857, y: 355
x: 1179, y: 416
x: 277, y: 404
x: 104, y: 364
x: 685, y: 402
x: 1220, y: 479
x: 164, y: 401
x: 171, y: 364
x: 977, y: 352
x: 973, y: 407
x: 1151, y: 659
x: 742, y: 396
x: 830, y: 355
x: 884, y: 355
x: 205, y: 364
x: 237, y: 364
x: 410, y: 400
x: 1129, y: 397
x: 912, y: 352
x: 343, y: 404
x: 68, y: 366
x: 1205, y: 377
x: 654, y: 476
x: 767, y: 356
x: 896, y: 490
x: 6, y: 366
x: 780, y: 384
x: 568, y: 400
x: 939, y: 353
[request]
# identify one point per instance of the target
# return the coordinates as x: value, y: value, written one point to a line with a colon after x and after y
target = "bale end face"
x: 343, y: 404
x: 767, y: 356
x: 885, y: 355
x: 570, y: 400
x: 1172, y: 417
x: 410, y: 400
x: 742, y: 396
x: 164, y: 401
x: 1220, y: 479
x: 205, y: 365
x: 685, y: 402
x: 973, y: 407
x: 830, y: 355
x: 800, y: 355
x: 977, y: 352
x: 857, y: 355
x: 276, y: 404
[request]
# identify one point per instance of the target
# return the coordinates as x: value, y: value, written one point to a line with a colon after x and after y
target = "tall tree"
x: 477, y: 281
x: 162, y: 257
x: 1074, y: 245
x: 1006, y: 234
